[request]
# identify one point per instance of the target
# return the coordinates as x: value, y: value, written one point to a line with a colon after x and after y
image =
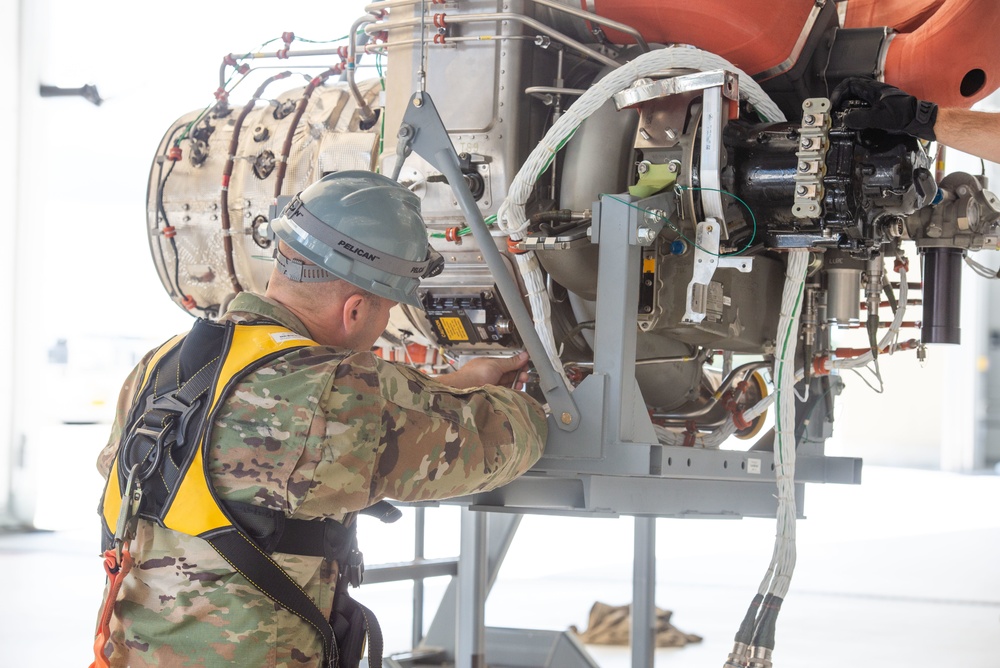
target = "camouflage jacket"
x: 318, y: 433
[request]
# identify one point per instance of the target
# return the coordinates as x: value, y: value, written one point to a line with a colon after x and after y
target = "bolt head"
x: 809, y: 119
x: 673, y: 166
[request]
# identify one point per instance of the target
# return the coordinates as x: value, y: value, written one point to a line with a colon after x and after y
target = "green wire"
x: 381, y: 81
x: 784, y: 350
x: 238, y: 59
x: 319, y: 41
x: 489, y: 220
x: 684, y: 237
x: 753, y: 218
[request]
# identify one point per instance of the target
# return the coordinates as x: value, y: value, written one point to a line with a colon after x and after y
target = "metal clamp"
x: 706, y: 261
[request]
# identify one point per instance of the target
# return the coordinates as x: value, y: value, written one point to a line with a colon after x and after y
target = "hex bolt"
x: 673, y: 166
x: 803, y: 166
x: 801, y: 190
x: 807, y: 142
x: 643, y: 167
x: 646, y: 235
x: 809, y: 119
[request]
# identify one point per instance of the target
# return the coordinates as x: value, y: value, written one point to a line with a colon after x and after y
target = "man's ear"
x: 355, y: 312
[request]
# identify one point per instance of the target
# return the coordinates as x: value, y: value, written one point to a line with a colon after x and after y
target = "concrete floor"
x: 900, y: 571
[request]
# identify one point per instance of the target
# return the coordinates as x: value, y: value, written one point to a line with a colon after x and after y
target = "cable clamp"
x: 516, y: 247
x: 690, y: 434
x: 729, y: 402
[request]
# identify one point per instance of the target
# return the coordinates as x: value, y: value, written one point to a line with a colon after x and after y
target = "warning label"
x: 452, y: 329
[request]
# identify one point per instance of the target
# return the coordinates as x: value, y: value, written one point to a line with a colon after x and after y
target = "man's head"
x: 350, y: 246
x: 364, y: 228
x: 336, y: 312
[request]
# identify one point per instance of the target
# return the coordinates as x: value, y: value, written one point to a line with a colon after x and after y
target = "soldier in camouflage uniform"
x: 317, y: 433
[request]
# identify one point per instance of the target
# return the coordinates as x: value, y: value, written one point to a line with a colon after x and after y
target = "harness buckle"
x: 128, y: 517
x: 354, y: 567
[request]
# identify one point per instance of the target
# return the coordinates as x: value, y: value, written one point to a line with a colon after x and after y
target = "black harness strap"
x: 262, y: 572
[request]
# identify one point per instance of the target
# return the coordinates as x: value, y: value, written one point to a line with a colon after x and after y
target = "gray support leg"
x: 418, y: 584
x: 644, y: 593
x: 617, y: 301
x: 470, y: 650
x: 441, y: 632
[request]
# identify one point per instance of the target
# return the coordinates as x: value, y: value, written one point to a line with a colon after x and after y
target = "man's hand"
x: 489, y: 371
x: 890, y: 108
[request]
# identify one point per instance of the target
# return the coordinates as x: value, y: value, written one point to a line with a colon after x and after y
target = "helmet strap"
x: 299, y: 271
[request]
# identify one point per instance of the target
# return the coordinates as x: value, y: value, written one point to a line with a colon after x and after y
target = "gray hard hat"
x: 364, y: 228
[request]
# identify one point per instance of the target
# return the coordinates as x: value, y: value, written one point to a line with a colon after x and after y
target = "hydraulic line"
x: 379, y: 26
x: 227, y: 172
x: 573, y: 11
x: 365, y: 111
x: 300, y: 109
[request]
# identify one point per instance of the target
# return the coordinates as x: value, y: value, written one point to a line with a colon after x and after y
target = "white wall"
x: 9, y: 116
x: 83, y: 270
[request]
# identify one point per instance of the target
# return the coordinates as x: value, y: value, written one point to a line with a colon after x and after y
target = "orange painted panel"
x: 734, y: 30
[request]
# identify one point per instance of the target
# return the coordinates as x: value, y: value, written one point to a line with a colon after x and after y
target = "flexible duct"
x: 949, y: 56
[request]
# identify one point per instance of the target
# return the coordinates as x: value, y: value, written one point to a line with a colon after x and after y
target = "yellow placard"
x: 452, y: 329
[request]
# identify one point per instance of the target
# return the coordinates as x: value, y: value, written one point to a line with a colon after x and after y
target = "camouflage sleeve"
x: 428, y: 440
x: 107, y: 455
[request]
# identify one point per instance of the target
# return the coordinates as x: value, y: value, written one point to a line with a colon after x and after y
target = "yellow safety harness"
x: 160, y: 474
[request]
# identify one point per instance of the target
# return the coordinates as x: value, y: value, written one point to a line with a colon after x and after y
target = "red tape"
x: 116, y: 575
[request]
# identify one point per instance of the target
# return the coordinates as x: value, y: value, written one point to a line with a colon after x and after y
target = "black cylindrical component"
x: 942, y: 271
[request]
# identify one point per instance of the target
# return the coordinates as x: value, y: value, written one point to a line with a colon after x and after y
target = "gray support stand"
x: 418, y: 584
x: 423, y: 132
x: 644, y: 593
x: 618, y: 301
x: 470, y: 649
x: 500, y: 532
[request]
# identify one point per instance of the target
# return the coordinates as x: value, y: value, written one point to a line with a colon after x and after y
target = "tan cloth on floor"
x: 610, y: 625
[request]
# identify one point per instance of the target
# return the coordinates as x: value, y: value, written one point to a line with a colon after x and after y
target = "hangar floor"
x: 899, y: 571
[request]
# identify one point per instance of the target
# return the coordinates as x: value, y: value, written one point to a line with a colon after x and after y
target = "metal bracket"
x: 706, y: 261
x: 716, y: 87
x: 814, y: 142
x: 424, y: 133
